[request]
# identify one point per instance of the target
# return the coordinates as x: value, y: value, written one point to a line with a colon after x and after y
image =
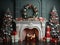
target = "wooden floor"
x: 30, y: 43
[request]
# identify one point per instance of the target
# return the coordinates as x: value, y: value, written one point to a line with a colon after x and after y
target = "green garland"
x: 30, y: 6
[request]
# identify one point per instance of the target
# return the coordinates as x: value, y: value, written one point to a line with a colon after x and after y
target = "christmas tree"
x: 7, y: 26
x: 54, y: 23
x: 7, y: 22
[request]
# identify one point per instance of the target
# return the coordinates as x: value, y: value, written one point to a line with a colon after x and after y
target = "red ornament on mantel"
x: 41, y: 19
x: 19, y: 19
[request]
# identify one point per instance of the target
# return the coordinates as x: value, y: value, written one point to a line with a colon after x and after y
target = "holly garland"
x: 30, y: 6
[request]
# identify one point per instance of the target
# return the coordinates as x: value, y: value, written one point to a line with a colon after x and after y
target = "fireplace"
x: 29, y: 25
x: 31, y: 34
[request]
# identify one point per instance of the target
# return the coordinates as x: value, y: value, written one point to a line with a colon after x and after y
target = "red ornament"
x: 48, y: 28
x: 54, y: 40
x: 44, y: 39
x: 41, y: 19
x: 14, y: 33
x: 19, y: 19
x: 48, y: 34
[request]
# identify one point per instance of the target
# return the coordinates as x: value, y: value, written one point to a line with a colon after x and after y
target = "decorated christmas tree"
x: 7, y: 26
x: 7, y: 22
x: 54, y: 23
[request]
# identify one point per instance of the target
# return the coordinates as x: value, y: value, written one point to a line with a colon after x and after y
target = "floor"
x: 30, y: 43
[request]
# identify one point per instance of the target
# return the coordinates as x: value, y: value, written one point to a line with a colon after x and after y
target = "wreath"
x: 30, y: 6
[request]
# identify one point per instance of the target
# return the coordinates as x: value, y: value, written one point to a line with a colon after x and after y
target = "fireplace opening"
x: 31, y: 34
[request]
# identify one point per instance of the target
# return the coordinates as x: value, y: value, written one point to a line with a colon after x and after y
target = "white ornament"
x: 24, y: 13
x: 9, y: 15
x: 24, y: 9
x: 36, y: 13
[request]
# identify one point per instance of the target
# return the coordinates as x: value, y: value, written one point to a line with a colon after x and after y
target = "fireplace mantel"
x: 21, y: 25
x: 24, y: 22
